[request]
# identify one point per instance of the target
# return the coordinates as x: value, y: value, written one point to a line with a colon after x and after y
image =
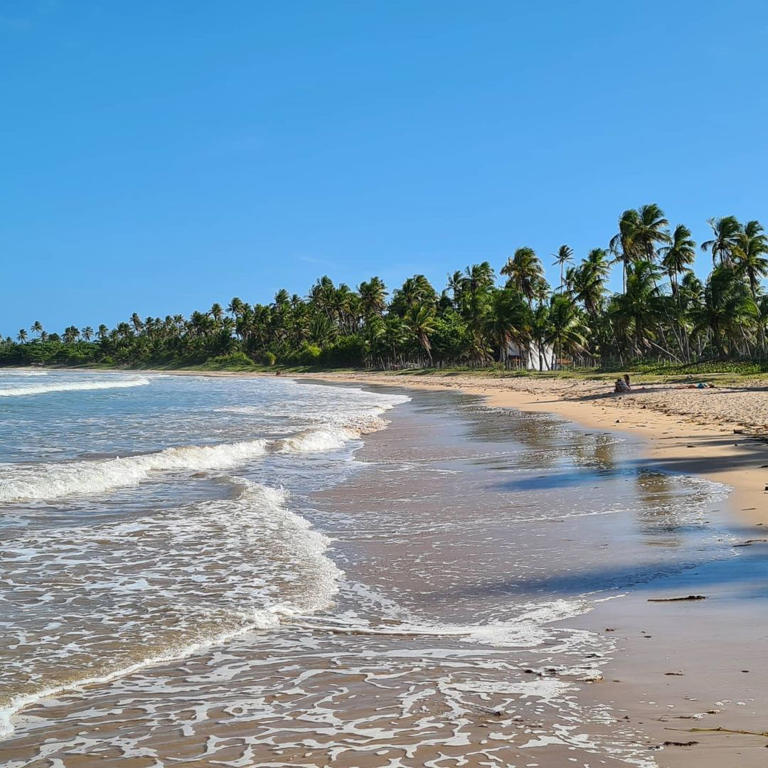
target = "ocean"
x: 241, y: 571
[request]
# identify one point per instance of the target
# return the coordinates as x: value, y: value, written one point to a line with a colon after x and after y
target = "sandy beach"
x: 483, y: 503
x: 684, y: 665
x: 691, y: 674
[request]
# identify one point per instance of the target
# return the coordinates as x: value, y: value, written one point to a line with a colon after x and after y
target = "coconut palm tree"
x: 636, y: 312
x: 563, y: 256
x: 588, y: 280
x: 728, y: 312
x: 567, y: 330
x: 71, y: 334
x: 87, y: 333
x: 373, y: 297
x: 420, y: 320
x: 525, y: 274
x: 678, y: 255
x: 651, y: 231
x: 725, y: 237
x: 508, y: 321
x: 639, y: 231
x: 37, y: 327
x: 414, y: 292
x: 749, y: 254
x: 22, y: 335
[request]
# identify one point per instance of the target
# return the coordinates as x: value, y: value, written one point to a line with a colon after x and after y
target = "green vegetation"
x: 664, y: 321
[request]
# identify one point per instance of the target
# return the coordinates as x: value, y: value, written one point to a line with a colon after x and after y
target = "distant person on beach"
x: 621, y: 386
x: 626, y: 381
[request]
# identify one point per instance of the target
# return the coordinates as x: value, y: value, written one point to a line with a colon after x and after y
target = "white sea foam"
x: 316, y: 440
x: 73, y: 386
x: 48, y: 481
x: 241, y: 548
x: 25, y: 372
x: 51, y: 481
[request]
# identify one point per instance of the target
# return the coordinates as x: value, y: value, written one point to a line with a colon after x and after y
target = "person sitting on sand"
x: 626, y: 381
x: 621, y: 386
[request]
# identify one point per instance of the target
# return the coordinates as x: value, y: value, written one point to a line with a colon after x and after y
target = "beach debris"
x: 680, y: 743
x: 674, y: 674
x: 610, y: 629
x: 676, y: 599
x: 720, y: 729
x: 749, y: 542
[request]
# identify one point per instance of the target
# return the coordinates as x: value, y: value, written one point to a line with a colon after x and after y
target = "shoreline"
x: 674, y: 441
x: 662, y: 691
x: 722, y: 446
x: 713, y: 445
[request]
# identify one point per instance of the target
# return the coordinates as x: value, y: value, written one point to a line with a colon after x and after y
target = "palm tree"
x: 37, y: 327
x: 541, y: 329
x: 456, y: 284
x: 622, y: 243
x: 525, y: 274
x: 678, y: 255
x: 373, y: 295
x: 421, y: 322
x: 22, y: 335
x: 728, y: 311
x: 749, y: 254
x: 567, y: 331
x: 639, y: 231
x: 87, y: 333
x: 414, y: 292
x: 726, y: 232
x: 636, y: 312
x: 652, y: 230
x: 102, y: 332
x: 588, y: 281
x: 563, y: 256
x: 508, y: 321
x: 70, y: 334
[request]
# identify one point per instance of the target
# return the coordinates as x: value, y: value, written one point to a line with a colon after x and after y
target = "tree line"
x: 664, y: 312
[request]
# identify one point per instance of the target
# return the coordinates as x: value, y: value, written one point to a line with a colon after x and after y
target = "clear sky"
x: 160, y: 156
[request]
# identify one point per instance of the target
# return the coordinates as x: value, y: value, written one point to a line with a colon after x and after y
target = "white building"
x: 533, y: 359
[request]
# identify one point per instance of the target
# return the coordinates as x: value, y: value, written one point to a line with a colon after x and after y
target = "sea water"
x: 209, y: 570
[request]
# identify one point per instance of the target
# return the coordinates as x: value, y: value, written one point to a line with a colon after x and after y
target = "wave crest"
x: 73, y: 386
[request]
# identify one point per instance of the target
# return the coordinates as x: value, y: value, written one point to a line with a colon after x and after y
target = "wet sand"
x: 686, y: 430
x: 686, y: 665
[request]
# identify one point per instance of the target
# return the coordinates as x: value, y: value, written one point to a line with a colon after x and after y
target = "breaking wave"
x: 72, y: 386
x: 52, y: 481
x: 47, y: 481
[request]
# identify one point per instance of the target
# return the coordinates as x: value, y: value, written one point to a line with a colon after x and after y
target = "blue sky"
x: 158, y: 157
